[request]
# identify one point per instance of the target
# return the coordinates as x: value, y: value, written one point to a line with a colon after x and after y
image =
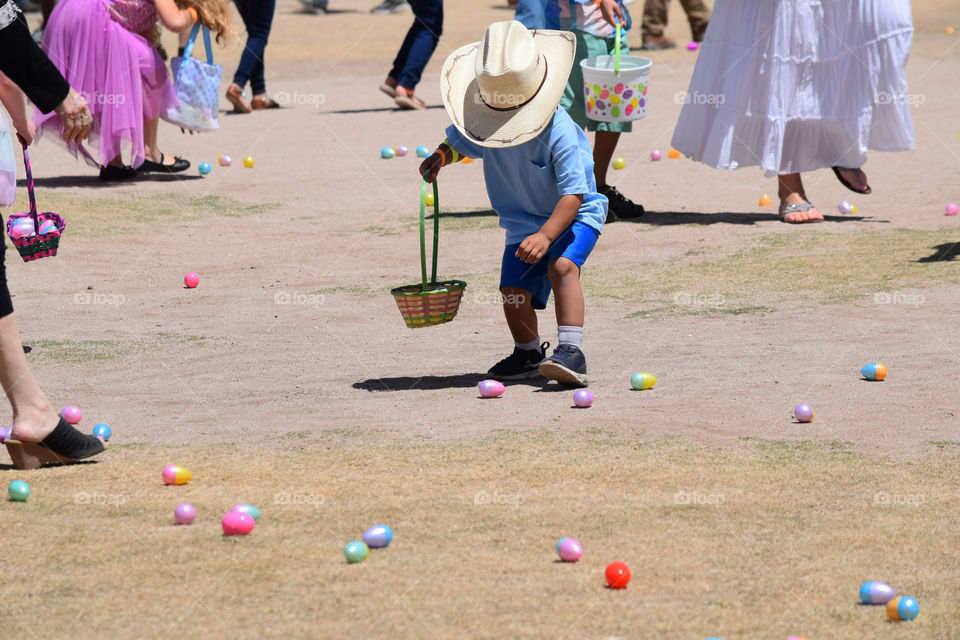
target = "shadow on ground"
x: 419, y: 383
x: 946, y: 252
x: 93, y: 180
x: 667, y: 218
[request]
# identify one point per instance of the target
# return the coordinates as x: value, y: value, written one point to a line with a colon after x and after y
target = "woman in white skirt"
x: 799, y: 85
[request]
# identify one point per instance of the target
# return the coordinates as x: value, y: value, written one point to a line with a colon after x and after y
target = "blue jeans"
x: 420, y: 43
x: 257, y: 17
x: 530, y: 13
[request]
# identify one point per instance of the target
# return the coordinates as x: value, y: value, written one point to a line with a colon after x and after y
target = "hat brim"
x: 490, y: 127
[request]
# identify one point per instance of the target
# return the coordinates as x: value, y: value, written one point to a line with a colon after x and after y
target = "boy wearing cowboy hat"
x: 502, y: 94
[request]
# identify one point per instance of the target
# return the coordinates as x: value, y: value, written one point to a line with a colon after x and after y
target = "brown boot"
x: 698, y: 33
x: 655, y: 43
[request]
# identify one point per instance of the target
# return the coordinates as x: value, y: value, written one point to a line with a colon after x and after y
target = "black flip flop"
x: 836, y: 172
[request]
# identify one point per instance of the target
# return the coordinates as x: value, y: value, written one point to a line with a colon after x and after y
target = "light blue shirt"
x: 525, y: 182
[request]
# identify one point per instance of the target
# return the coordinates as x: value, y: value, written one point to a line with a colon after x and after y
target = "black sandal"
x: 836, y: 172
x: 179, y: 164
x: 65, y: 444
x: 111, y: 172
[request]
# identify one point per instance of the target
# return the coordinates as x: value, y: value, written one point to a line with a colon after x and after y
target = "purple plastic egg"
x: 184, y: 513
x: 491, y: 388
x: 655, y: 155
x: 693, y: 46
x: 402, y: 150
x: 583, y: 398
x: 803, y: 413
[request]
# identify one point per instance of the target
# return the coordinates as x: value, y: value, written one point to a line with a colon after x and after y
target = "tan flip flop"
x: 406, y: 100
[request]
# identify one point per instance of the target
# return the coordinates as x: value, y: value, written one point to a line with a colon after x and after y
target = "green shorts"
x: 588, y: 46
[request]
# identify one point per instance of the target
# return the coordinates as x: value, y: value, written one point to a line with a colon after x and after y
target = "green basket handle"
x: 616, y: 47
x: 423, y: 232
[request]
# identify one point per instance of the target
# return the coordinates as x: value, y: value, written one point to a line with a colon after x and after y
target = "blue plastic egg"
x: 903, y: 608
x: 386, y: 153
x: 204, y: 168
x: 422, y: 151
x: 101, y: 430
x: 248, y: 509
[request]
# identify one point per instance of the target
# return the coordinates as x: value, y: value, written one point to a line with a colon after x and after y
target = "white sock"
x: 570, y: 335
x: 533, y: 345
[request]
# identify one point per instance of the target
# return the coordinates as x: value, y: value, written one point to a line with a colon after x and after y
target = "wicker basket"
x: 429, y: 302
x: 39, y: 245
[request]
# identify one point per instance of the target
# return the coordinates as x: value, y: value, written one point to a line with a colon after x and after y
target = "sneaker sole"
x: 519, y: 376
x: 567, y: 377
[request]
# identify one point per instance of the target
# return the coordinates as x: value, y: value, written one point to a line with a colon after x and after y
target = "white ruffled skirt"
x: 798, y: 85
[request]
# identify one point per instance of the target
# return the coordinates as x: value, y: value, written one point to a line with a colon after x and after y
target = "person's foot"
x: 314, y: 5
x: 698, y: 33
x: 656, y: 43
x: 406, y: 100
x: 263, y: 102
x: 61, y: 444
x: 33, y: 425
x: 567, y: 365
x: 519, y: 365
x: 174, y: 165
x: 796, y: 209
x: 111, y: 173
x: 621, y: 207
x: 235, y: 97
x: 390, y: 6
x: 389, y: 86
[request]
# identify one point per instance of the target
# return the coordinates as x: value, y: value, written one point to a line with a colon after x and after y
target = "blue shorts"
x: 574, y: 244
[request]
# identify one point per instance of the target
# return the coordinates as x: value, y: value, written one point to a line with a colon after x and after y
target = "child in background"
x: 502, y: 95
x: 593, y: 22
x: 105, y: 50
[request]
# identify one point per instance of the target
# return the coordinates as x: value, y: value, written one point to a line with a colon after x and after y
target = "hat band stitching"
x: 525, y: 102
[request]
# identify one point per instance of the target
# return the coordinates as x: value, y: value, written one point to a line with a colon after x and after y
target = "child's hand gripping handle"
x: 430, y: 167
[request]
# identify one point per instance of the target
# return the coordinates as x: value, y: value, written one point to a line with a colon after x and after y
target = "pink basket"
x: 39, y: 245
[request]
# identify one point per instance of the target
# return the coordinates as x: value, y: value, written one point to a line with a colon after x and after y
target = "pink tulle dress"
x: 97, y: 46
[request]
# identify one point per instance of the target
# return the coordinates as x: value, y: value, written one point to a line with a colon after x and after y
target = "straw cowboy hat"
x: 504, y: 90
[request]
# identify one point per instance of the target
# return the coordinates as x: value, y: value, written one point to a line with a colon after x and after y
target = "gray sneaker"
x: 313, y: 6
x: 390, y: 6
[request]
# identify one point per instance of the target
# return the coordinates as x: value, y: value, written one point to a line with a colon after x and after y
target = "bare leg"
x: 150, y: 147
x: 568, y: 296
x: 520, y: 314
x: 791, y: 192
x: 604, y: 144
x: 33, y: 416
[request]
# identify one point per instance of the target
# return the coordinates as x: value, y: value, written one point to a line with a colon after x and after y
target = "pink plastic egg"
x: 952, y: 209
x: 491, y: 388
x: 47, y: 226
x: 237, y: 523
x: 184, y: 513
x: 655, y: 155
x: 191, y: 280
x: 71, y: 414
x: 693, y: 46
x: 569, y: 550
x: 174, y: 474
x: 22, y: 229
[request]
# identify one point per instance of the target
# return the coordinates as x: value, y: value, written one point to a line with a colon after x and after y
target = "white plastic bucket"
x: 612, y: 97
